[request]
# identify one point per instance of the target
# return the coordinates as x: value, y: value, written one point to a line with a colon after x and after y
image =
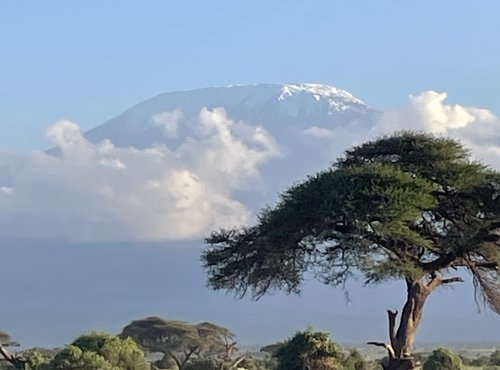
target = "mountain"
x: 279, y: 108
x: 311, y: 123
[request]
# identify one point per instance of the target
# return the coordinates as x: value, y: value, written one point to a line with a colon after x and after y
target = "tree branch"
x: 480, y: 264
x: 436, y: 281
x: 387, y: 346
x: 176, y: 360
x: 392, y: 325
x: 456, y: 279
x: 239, y: 360
x: 16, y: 361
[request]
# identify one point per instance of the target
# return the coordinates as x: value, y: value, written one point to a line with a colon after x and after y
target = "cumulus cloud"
x: 169, y: 122
x: 428, y: 111
x: 477, y: 128
x: 96, y: 192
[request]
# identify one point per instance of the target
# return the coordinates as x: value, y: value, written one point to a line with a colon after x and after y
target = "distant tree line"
x: 154, y: 343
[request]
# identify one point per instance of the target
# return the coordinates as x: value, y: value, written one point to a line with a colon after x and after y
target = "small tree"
x: 99, y: 351
x: 73, y: 357
x: 309, y: 350
x: 442, y: 359
x: 409, y: 206
x: 355, y: 361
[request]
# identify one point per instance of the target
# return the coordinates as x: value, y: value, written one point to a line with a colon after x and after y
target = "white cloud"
x: 96, y: 192
x: 99, y: 191
x: 477, y: 128
x: 65, y: 134
x: 318, y: 132
x: 7, y: 190
x: 236, y: 149
x: 113, y: 163
x: 169, y: 122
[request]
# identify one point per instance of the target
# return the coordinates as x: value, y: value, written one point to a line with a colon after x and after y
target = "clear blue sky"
x: 89, y: 60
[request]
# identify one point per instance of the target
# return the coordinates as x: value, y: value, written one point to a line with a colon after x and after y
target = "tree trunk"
x: 417, y: 293
x: 401, y: 341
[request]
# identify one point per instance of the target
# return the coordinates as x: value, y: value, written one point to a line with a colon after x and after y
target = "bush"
x: 355, y: 361
x: 480, y: 361
x: 99, y: 351
x: 310, y: 349
x: 442, y: 359
x: 251, y: 363
x: 37, y: 358
x: 494, y: 359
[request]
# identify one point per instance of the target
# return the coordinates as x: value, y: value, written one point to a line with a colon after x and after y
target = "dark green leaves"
x: 403, y: 206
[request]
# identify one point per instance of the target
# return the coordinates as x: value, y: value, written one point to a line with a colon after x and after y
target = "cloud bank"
x: 99, y: 192
x: 477, y: 128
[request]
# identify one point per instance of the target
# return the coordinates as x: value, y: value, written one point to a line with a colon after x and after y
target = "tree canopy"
x: 408, y: 206
x: 181, y: 341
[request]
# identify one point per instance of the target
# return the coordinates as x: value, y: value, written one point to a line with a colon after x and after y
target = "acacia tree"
x: 409, y: 206
x: 181, y: 341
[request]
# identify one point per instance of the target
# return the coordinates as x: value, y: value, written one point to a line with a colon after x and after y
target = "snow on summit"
x: 339, y: 99
x: 165, y: 118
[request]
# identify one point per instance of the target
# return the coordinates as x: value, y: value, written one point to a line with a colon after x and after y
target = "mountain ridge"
x: 270, y: 105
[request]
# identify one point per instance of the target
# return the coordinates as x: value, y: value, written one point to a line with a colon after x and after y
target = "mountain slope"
x: 276, y: 107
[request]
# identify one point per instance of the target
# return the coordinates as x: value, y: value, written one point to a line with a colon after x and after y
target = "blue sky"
x: 86, y: 61
x: 90, y: 60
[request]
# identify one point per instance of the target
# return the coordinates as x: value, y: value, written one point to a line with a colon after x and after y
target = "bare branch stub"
x: 387, y: 346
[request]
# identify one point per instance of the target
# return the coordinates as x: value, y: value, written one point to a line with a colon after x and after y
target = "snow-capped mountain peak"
x: 279, y: 108
x: 338, y: 99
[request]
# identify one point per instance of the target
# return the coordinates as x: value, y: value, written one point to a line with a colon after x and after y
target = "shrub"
x: 310, y: 349
x: 442, y: 359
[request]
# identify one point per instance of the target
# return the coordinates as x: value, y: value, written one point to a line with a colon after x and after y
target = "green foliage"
x: 98, y: 351
x: 182, y: 342
x: 309, y: 349
x: 37, y: 358
x: 73, y: 357
x: 124, y: 354
x: 355, y: 361
x: 443, y: 359
x: 480, y: 361
x: 495, y: 358
x: 406, y: 206
x: 92, y: 342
